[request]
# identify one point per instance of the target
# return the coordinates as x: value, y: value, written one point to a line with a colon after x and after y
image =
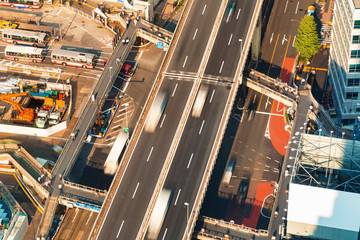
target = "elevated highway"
x: 192, y: 63
x: 68, y: 193
x: 181, y: 153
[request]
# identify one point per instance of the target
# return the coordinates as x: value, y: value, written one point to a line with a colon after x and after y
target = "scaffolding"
x: 327, y: 162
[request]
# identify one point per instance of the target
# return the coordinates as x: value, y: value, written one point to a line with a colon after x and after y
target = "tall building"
x: 344, y: 68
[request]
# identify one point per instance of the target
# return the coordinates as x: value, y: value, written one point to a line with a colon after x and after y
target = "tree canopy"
x: 307, y: 39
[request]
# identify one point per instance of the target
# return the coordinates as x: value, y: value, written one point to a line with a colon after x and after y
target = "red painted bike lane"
x: 278, y: 135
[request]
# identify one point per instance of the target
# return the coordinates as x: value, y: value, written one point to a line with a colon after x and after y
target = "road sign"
x: 159, y: 45
x: 126, y: 130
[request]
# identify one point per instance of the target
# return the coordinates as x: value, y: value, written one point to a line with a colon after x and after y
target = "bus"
x: 33, y: 4
x: 73, y: 58
x: 22, y: 37
x: 22, y: 53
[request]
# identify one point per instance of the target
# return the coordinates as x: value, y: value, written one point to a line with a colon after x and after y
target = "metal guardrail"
x: 234, y: 226
x: 71, y: 200
x: 216, y: 147
x: 80, y: 186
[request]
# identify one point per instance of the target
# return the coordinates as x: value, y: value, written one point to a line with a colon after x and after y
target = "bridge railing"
x: 82, y: 187
x: 234, y: 226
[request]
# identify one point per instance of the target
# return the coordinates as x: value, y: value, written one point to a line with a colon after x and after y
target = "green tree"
x: 307, y: 39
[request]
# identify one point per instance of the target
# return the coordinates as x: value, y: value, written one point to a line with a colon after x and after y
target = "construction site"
x: 33, y: 104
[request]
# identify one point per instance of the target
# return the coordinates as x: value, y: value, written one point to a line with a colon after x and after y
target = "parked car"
x: 7, y: 24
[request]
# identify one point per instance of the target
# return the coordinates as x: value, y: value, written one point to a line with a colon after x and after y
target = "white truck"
x: 200, y: 101
x: 158, y: 214
x: 156, y: 111
x: 54, y: 118
x: 41, y: 118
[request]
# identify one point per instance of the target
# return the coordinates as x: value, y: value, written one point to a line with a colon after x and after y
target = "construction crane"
x: 23, y: 114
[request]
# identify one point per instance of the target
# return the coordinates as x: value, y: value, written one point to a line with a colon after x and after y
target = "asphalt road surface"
x: 77, y: 225
x: 132, y: 198
x: 194, y: 149
x: 280, y: 35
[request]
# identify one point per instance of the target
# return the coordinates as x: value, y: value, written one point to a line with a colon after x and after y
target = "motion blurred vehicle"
x: 229, y: 12
x: 228, y: 172
x: 156, y: 111
x: 7, y: 24
x: 200, y: 101
x: 159, y: 213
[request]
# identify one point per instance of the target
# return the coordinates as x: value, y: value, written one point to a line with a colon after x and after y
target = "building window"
x: 354, y: 68
x: 355, y: 53
x: 353, y: 82
x: 357, y: 24
x: 352, y: 96
x: 357, y: 110
x: 356, y: 39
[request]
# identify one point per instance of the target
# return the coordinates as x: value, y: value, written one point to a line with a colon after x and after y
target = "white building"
x: 324, y: 190
x: 344, y: 72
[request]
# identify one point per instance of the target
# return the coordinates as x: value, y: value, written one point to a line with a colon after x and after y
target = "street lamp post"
x: 187, y: 210
x: 126, y: 128
x: 110, y: 68
x: 241, y: 41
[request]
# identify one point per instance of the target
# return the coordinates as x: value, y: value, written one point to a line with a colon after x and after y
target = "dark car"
x: 243, y: 190
x: 242, y: 97
x: 229, y: 12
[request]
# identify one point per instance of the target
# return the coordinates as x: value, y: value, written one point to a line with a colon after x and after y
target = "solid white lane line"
x: 185, y: 61
x: 297, y: 7
x: 237, y: 16
x: 152, y: 148
x: 212, y: 95
x: 286, y: 6
x: 137, y: 185
x: 294, y: 41
x: 140, y: 54
x: 195, y: 34
x: 230, y: 39
x: 89, y: 218
x: 117, y: 236
x: 254, y: 98
x: 222, y: 65
x: 164, y: 234
x: 177, y: 197
x: 201, y: 127
x: 203, y: 10
x: 162, y: 122
x: 174, y: 90
x: 77, y: 211
x: 191, y: 157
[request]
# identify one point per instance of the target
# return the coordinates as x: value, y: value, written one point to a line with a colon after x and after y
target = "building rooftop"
x: 324, y: 207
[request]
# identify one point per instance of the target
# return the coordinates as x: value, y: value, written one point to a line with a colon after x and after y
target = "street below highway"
x: 278, y: 45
